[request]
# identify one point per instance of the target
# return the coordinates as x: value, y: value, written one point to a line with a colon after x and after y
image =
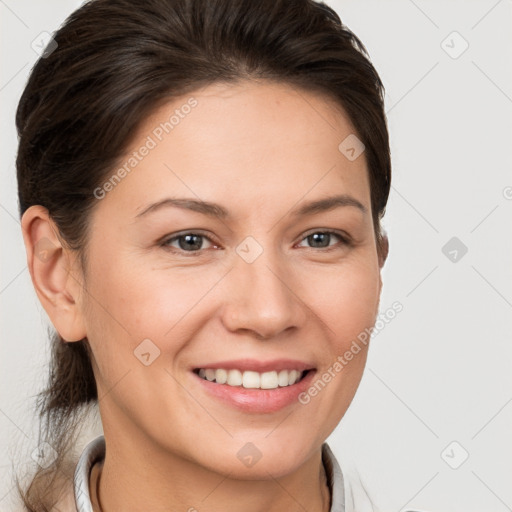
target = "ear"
x: 54, y: 272
x: 382, y: 255
x: 384, y: 249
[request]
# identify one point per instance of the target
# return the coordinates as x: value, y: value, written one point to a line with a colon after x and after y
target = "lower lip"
x: 257, y: 400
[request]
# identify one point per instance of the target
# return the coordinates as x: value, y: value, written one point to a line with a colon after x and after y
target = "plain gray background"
x: 437, y: 387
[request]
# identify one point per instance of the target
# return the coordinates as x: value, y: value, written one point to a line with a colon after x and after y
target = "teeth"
x: 251, y: 379
x: 282, y: 378
x: 221, y: 376
x: 234, y: 378
x: 269, y: 380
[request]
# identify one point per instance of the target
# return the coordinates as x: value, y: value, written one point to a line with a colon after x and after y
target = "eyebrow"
x: 217, y: 211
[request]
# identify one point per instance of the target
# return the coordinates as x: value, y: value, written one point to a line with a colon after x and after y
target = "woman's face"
x: 254, y: 283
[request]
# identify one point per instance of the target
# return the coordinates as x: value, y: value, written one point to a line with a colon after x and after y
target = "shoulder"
x: 66, y: 501
x: 76, y: 497
x: 347, y: 493
x: 93, y: 452
x: 347, y: 490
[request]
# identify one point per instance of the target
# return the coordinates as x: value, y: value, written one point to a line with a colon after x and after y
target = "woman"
x: 201, y: 186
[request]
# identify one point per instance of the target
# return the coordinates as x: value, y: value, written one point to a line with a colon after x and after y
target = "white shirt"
x: 342, y: 496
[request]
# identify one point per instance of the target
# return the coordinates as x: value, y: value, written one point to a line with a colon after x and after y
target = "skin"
x: 260, y: 150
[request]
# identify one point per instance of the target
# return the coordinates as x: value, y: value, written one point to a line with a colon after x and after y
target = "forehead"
x: 254, y: 143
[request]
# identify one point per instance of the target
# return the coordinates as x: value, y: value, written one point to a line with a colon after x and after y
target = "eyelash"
x: 345, y: 241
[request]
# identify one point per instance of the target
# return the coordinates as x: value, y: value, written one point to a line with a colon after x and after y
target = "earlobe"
x: 51, y: 267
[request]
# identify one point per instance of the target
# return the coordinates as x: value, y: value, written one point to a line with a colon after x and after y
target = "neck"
x: 129, y: 480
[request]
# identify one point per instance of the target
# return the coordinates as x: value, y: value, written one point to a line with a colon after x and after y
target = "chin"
x: 260, y: 459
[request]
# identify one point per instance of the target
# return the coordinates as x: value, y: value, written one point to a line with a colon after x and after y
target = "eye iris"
x: 191, y: 242
x: 319, y: 238
x: 194, y: 242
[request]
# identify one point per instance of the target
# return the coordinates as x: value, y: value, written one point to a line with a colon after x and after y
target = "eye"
x: 194, y: 243
x: 186, y: 242
x: 322, y: 239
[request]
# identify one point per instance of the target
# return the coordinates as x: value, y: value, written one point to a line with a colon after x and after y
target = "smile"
x: 251, y: 379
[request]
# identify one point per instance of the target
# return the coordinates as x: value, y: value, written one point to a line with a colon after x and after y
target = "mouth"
x: 249, y: 379
x: 255, y: 387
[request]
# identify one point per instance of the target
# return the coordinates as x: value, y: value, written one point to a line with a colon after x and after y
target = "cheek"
x: 159, y: 303
x: 347, y: 299
x: 131, y: 302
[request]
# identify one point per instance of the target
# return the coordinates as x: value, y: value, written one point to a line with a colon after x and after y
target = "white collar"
x: 95, y: 451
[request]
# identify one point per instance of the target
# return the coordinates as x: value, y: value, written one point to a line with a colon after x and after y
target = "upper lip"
x: 258, y: 365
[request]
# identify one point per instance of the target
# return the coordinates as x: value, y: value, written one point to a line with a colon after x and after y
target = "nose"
x: 262, y: 298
